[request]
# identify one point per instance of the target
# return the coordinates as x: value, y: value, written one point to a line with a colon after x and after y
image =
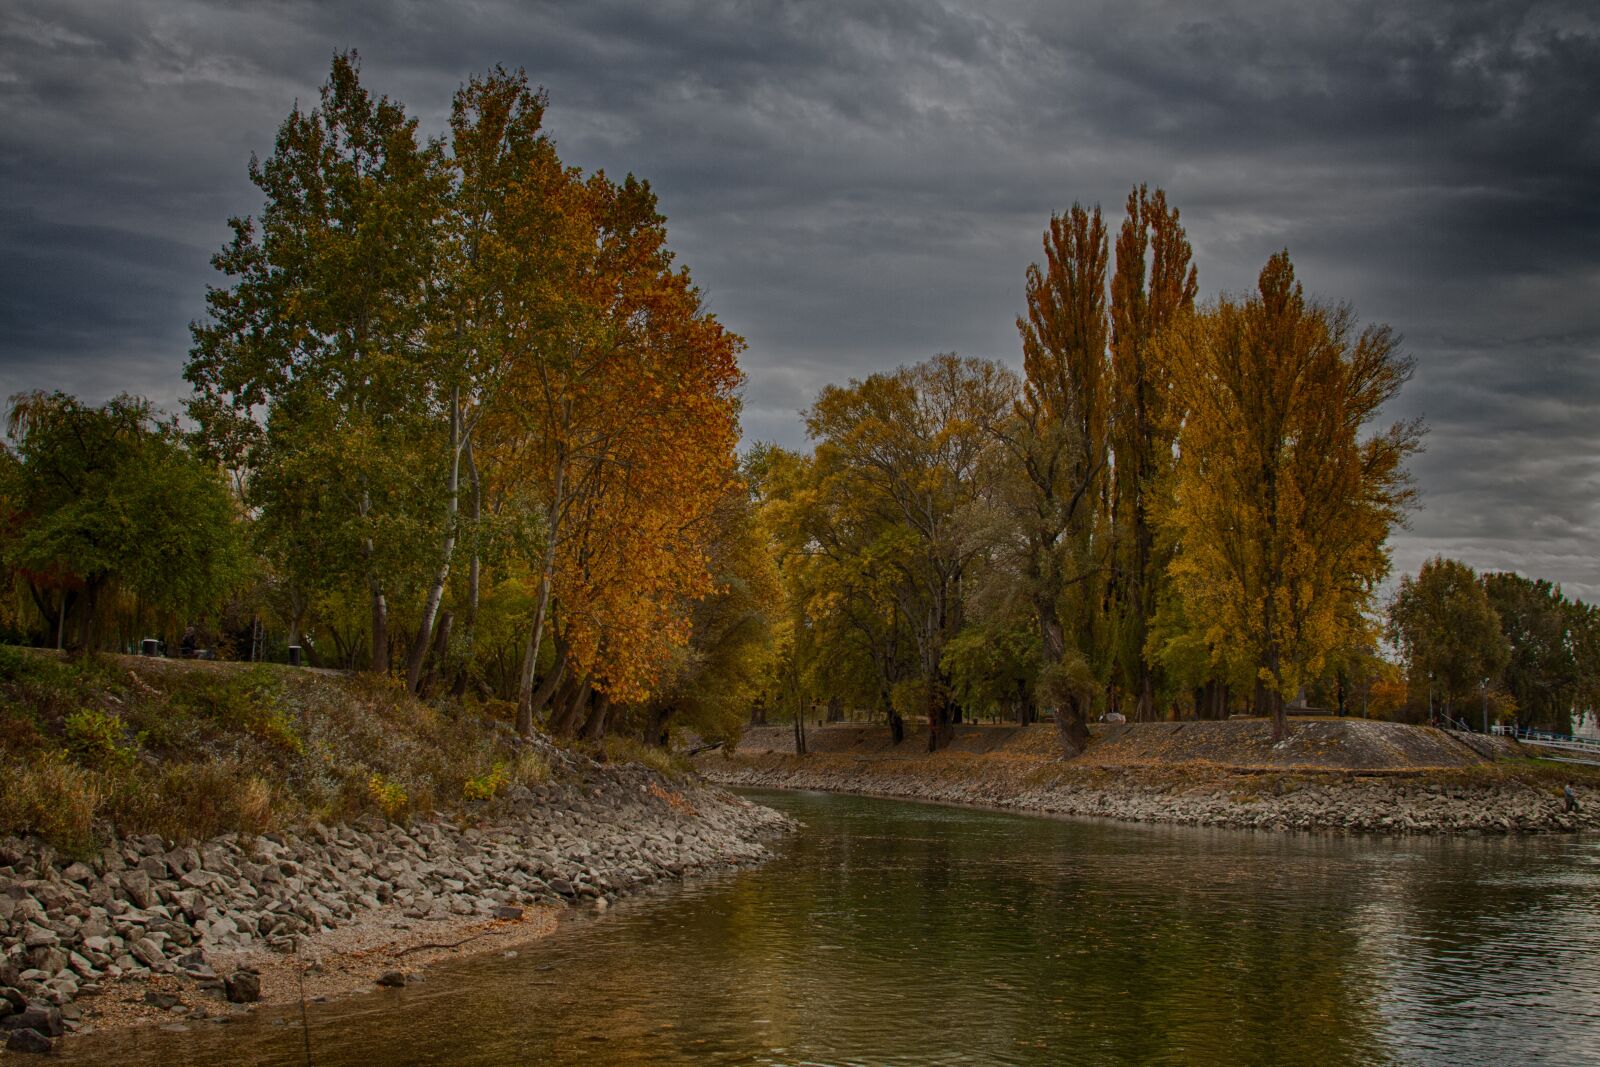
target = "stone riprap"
x: 145, y: 907
x: 1197, y: 795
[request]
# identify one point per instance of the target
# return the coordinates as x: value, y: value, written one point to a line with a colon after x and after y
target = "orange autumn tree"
x: 620, y: 413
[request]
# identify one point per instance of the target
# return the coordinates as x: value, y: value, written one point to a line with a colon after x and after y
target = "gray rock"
x: 136, y: 884
x: 159, y: 999
x: 147, y: 952
x: 78, y: 872
x: 45, y: 1018
x: 28, y: 1040
x: 242, y: 987
x: 39, y: 937
x: 394, y: 979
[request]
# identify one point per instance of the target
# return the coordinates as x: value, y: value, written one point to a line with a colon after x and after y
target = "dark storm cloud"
x: 859, y: 184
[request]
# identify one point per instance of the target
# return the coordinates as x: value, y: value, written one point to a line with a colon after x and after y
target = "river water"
x: 896, y: 933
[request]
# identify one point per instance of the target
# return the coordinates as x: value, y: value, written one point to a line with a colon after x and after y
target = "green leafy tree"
x: 106, y: 498
x: 318, y: 343
x: 1551, y: 667
x: 1058, y: 440
x: 907, y: 447
x: 1444, y: 624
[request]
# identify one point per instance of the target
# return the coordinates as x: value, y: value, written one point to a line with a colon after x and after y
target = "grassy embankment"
x: 121, y: 744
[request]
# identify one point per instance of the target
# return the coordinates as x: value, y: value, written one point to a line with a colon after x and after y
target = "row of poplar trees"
x: 483, y: 426
x: 1176, y: 506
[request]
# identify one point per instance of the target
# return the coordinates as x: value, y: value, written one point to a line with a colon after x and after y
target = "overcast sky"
x: 859, y: 184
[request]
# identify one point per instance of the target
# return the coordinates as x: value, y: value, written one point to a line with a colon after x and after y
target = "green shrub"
x: 388, y: 795
x: 96, y: 739
x: 486, y: 786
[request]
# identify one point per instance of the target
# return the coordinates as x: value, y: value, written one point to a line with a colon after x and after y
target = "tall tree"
x: 497, y: 150
x: 1059, y: 442
x: 847, y: 568
x: 327, y: 306
x: 621, y: 410
x: 1154, y: 284
x: 1282, y: 506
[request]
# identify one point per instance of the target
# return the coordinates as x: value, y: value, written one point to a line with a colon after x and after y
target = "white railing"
x: 1545, y: 739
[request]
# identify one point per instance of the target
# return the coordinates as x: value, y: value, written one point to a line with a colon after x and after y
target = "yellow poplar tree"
x: 1283, y: 507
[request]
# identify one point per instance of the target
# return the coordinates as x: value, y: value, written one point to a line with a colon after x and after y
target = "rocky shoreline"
x: 1195, y: 795
x: 151, y: 930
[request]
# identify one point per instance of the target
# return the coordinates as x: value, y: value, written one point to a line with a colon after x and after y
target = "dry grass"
x: 189, y: 750
x: 631, y: 750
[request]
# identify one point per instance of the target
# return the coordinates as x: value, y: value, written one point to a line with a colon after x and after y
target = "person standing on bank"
x: 1571, y: 797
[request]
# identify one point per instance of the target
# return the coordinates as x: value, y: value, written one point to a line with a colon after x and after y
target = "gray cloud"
x: 860, y: 184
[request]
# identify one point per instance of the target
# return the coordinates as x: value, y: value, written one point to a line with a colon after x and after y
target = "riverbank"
x: 147, y: 931
x: 1348, y: 776
x: 178, y: 839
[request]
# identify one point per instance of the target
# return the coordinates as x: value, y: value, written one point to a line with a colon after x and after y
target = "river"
x: 897, y: 933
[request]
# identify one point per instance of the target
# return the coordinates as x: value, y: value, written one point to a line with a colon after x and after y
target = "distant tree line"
x: 459, y: 418
x: 1498, y: 646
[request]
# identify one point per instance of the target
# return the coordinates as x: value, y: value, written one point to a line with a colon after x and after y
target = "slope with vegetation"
x: 111, y: 746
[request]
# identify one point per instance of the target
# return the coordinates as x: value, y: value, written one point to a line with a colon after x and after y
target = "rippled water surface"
x: 893, y: 933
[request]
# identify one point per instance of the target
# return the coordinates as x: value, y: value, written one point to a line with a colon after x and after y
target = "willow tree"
x: 102, y: 499
x: 1284, y: 501
x: 1153, y: 285
x: 1058, y: 441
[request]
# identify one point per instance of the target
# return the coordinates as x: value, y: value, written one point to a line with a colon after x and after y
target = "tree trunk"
x: 297, y: 615
x: 560, y: 700
x: 567, y: 714
x: 548, y: 684
x: 89, y: 603
x: 469, y: 634
x: 1072, y: 725
x: 655, y: 729
x: 594, y: 727
x: 379, y: 663
x: 938, y: 720
x: 530, y: 655
x: 439, y: 656
x: 430, y: 606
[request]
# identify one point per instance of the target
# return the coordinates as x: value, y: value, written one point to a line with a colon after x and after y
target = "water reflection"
x: 908, y: 934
